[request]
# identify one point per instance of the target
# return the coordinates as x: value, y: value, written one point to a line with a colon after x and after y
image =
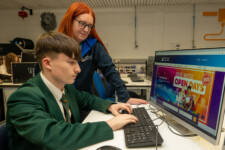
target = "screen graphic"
x: 190, y: 89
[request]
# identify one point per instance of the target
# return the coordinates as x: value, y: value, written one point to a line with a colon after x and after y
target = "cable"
x: 162, y: 117
x: 182, y: 135
x: 223, y: 130
x: 156, y: 140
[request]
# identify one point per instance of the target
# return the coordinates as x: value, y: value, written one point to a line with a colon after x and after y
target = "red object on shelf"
x: 23, y: 14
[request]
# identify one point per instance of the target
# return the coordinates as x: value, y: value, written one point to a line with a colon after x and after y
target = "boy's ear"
x: 46, y: 63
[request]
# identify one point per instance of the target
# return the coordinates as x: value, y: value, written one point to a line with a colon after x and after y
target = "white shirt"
x: 56, y: 92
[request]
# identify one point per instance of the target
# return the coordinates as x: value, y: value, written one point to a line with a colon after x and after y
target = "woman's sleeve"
x: 105, y: 64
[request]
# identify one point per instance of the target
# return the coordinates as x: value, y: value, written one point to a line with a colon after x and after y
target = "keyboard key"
x: 143, y: 133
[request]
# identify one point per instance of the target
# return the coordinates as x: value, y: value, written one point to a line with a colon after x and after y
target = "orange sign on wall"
x: 221, y: 19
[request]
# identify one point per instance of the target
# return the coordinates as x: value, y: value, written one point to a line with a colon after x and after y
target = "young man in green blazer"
x: 37, y: 119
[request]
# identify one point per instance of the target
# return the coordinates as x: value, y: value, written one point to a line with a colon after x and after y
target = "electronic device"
x: 188, y: 85
x: 6, y: 77
x: 149, y: 67
x: 23, y: 71
x: 131, y: 75
x: 28, y: 57
x: 129, y: 66
x: 108, y: 147
x: 136, y: 79
x: 6, y: 48
x: 143, y: 133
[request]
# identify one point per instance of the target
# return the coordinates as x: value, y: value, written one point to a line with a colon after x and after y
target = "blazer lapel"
x: 74, y: 109
x: 52, y: 105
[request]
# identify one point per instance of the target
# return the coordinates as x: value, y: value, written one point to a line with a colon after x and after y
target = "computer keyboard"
x: 143, y: 133
x: 136, y: 79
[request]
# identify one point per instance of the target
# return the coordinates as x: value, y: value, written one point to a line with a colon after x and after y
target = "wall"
x: 158, y: 28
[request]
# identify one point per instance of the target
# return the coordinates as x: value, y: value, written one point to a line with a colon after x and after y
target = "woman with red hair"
x: 79, y: 23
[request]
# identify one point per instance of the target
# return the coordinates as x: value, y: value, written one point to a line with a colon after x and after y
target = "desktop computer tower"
x: 149, y: 67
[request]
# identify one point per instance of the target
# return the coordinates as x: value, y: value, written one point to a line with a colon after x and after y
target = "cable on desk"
x: 182, y: 135
x: 157, y: 118
x: 162, y: 117
x: 151, y: 108
x: 156, y: 143
x: 223, y: 129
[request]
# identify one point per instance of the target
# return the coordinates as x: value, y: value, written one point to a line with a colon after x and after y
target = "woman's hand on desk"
x: 116, y: 108
x: 121, y: 120
x: 137, y: 101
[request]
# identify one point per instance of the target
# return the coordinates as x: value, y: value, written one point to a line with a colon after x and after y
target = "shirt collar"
x: 57, y: 93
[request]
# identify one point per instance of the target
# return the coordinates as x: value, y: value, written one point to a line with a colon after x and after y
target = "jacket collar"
x: 86, y: 45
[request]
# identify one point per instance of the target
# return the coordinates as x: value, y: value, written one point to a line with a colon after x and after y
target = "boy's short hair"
x: 51, y: 43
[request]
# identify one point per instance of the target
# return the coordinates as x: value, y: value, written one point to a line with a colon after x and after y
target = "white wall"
x: 158, y: 28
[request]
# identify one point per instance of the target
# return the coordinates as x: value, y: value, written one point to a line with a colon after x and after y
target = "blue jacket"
x: 94, y: 56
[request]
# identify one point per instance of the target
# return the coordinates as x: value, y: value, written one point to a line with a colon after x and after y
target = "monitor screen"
x: 189, y: 85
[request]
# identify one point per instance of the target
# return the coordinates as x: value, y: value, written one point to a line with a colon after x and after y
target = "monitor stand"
x: 178, y: 127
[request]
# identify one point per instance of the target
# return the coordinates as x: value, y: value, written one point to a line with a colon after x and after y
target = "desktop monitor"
x: 21, y: 72
x: 28, y: 57
x: 188, y: 85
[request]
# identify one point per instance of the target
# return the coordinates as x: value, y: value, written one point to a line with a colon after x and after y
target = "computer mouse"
x: 108, y: 147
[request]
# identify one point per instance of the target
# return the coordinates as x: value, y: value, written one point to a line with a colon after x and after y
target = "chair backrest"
x: 3, y: 137
x: 101, y: 88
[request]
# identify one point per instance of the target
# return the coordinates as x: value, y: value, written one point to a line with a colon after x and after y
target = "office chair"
x: 104, y: 90
x: 3, y: 137
x: 101, y: 88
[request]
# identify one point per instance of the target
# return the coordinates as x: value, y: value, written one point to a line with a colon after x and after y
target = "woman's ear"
x: 46, y: 63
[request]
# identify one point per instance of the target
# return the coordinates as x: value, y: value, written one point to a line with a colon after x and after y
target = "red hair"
x: 76, y: 9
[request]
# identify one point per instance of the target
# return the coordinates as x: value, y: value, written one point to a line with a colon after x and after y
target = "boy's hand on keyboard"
x: 116, y: 108
x: 121, y: 120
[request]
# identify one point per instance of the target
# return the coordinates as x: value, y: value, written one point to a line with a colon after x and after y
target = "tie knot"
x: 63, y: 99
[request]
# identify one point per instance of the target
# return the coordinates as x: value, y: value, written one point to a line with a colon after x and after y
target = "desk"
x: 171, y: 141
x: 146, y: 85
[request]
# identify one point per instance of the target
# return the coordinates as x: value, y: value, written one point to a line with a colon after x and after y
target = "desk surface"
x: 171, y: 141
x: 9, y: 84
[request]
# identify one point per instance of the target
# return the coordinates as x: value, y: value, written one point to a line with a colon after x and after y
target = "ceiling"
x: 43, y: 4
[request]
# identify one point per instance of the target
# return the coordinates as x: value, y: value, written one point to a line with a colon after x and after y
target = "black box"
x: 23, y: 71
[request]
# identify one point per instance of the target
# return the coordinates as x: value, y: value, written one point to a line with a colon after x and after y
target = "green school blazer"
x: 35, y: 122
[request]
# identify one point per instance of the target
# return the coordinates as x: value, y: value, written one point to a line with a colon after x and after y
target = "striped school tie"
x: 66, y: 108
